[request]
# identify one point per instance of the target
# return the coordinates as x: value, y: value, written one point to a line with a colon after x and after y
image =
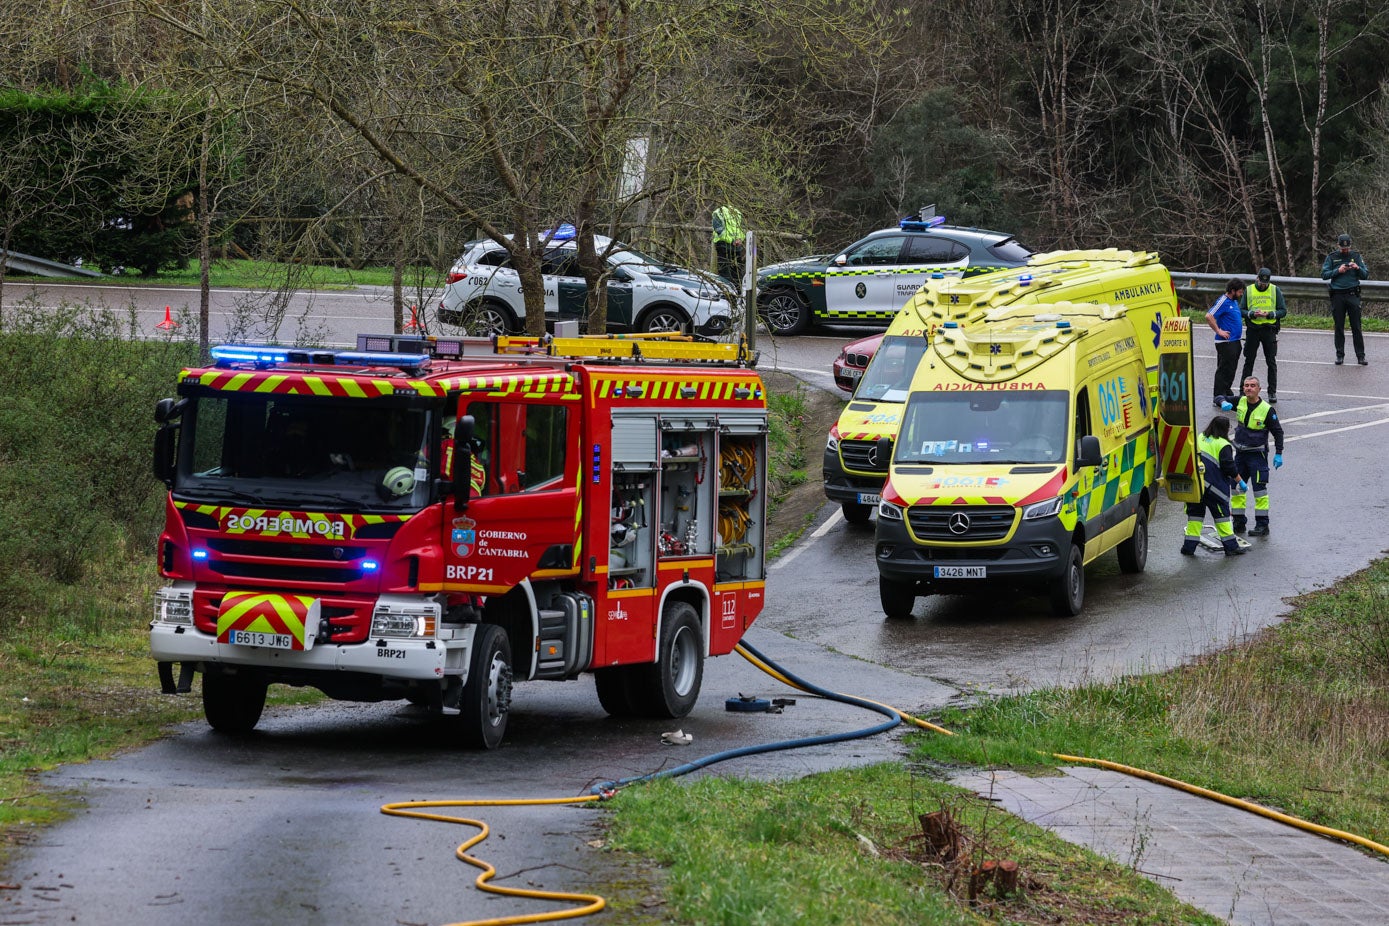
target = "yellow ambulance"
x: 1029, y: 446
x: 854, y: 470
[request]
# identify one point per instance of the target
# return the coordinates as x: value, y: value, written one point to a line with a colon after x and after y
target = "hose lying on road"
x: 592, y: 903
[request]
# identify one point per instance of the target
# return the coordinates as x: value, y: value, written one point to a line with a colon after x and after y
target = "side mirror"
x: 621, y: 276
x: 1088, y: 452
x: 840, y: 260
x: 166, y: 410
x: 463, y: 432
x: 165, y: 445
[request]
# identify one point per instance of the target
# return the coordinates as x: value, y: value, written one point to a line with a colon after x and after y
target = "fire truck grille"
x: 961, y: 524
x: 285, y: 561
x: 863, y: 456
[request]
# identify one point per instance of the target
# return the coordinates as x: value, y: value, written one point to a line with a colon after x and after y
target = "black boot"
x: 1240, y: 522
x: 1232, y: 547
x: 1260, y: 528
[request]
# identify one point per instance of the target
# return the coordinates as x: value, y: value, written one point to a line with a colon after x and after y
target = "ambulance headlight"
x: 1042, y: 509
x: 399, y: 619
x: 173, y: 604
x: 889, y: 512
x: 832, y: 444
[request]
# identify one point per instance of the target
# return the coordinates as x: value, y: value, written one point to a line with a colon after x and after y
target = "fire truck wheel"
x: 615, y: 690
x: 1133, y: 553
x: 233, y: 703
x: 897, y: 597
x: 670, y: 687
x: 855, y: 513
x: 486, y: 698
x: 1068, y: 589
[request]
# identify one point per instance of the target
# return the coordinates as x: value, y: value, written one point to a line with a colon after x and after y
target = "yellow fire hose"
x: 588, y: 904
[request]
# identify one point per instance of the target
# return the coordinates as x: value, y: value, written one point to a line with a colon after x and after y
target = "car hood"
x: 800, y: 264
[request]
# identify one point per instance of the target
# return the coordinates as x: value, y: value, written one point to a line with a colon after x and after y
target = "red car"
x: 853, y: 360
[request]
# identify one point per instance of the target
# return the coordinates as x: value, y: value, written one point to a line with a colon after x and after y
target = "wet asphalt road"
x: 284, y: 825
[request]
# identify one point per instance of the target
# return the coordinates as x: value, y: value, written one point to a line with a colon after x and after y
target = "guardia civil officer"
x: 1218, y: 467
x: 1343, y: 270
x: 1263, y: 309
x: 1255, y: 420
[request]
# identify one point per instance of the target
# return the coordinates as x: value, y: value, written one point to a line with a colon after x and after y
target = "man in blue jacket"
x: 1343, y: 270
x: 1224, y: 319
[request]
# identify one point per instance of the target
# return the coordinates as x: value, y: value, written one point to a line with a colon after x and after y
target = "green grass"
x: 843, y: 847
x: 1297, y: 720
x: 255, y: 274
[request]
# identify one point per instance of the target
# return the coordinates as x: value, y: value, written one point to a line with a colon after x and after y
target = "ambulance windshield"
x: 994, y: 426
x: 889, y: 374
x: 304, y: 452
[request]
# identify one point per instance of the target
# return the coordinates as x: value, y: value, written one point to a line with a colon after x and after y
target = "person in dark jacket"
x: 1224, y: 319
x: 1343, y: 270
x: 1218, y: 468
x: 1255, y: 420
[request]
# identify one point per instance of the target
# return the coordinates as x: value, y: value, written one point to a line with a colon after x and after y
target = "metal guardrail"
x: 1210, y: 285
x: 38, y: 266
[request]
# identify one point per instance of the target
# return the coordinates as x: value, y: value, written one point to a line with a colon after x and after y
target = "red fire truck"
x: 432, y: 520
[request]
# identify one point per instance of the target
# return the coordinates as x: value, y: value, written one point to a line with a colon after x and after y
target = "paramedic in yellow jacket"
x: 1218, y: 465
x: 1255, y: 420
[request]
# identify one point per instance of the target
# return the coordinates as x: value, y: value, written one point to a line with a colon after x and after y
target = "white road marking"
x: 819, y: 532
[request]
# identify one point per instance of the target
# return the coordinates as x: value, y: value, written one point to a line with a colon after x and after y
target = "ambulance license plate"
x: 257, y: 638
x: 869, y: 498
x: 961, y: 572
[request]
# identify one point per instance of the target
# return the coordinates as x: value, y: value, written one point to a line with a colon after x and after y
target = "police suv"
x: 483, y: 291
x: 871, y: 279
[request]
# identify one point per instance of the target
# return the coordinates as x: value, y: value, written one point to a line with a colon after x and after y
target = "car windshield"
x: 1012, y: 250
x: 305, y: 452
x: 1010, y: 426
x: 889, y: 374
x: 623, y: 256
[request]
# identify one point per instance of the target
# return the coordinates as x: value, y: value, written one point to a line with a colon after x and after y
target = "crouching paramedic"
x: 1255, y: 420
x: 1218, y: 468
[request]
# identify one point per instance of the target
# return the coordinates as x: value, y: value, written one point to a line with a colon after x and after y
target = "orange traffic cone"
x: 414, y: 323
x: 168, y: 324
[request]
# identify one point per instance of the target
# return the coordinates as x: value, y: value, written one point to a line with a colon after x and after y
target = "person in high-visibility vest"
x: 729, y: 234
x: 1218, y: 467
x: 1263, y: 309
x: 1255, y: 420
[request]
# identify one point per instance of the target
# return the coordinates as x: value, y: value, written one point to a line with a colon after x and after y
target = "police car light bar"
x: 915, y: 223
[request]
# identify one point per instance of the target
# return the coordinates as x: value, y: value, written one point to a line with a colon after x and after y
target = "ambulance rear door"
x: 1176, y: 413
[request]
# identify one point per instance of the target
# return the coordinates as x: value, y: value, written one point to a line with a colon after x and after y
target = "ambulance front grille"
x: 961, y: 524
x: 862, y: 456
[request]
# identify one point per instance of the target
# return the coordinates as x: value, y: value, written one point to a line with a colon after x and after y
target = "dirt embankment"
x: 822, y: 408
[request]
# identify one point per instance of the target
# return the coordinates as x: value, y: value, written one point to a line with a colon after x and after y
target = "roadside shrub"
x: 77, y: 393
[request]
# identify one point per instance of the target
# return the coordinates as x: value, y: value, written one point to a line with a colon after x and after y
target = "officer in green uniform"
x: 1263, y: 309
x: 728, y: 243
x: 1218, y: 468
x: 1255, y: 420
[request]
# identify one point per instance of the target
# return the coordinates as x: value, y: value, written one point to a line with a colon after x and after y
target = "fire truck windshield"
x: 297, y: 451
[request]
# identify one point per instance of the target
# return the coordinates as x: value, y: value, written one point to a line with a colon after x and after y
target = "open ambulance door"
x: 1177, y: 428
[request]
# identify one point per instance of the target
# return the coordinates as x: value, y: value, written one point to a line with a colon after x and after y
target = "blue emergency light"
x: 249, y: 353
x: 269, y: 355
x: 565, y: 232
x: 370, y: 565
x: 1025, y: 279
x: 916, y: 223
x: 200, y: 554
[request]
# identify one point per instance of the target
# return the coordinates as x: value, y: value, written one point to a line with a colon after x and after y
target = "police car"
x: 483, y: 292
x: 871, y: 279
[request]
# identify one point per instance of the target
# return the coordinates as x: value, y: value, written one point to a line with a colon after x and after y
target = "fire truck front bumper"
x: 394, y: 658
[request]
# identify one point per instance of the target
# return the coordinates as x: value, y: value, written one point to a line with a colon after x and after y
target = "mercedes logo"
x: 873, y: 455
x: 958, y: 523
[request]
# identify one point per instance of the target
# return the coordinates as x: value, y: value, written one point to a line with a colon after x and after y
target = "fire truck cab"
x: 434, y: 520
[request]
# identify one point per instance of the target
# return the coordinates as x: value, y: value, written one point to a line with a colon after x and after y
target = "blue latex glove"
x: 1277, y: 460
x: 1241, y: 486
x: 1226, y: 406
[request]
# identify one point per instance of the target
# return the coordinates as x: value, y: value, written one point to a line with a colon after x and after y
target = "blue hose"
x: 895, y: 719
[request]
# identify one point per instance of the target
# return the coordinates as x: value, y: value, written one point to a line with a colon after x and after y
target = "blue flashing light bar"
x: 565, y: 232
x: 250, y: 353
x: 1063, y: 324
x: 916, y: 223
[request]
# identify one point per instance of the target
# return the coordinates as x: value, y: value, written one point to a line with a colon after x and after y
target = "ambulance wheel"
x: 1133, y: 553
x: 615, y: 690
x: 897, y: 597
x: 233, y: 703
x: 1068, y: 589
x: 486, y: 698
x: 670, y: 687
x: 784, y: 312
x: 855, y: 513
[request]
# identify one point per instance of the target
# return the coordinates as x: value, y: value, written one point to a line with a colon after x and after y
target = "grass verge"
x: 845, y: 847
x: 1297, y: 719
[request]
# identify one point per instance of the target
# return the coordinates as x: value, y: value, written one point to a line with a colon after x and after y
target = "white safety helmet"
x: 398, y: 481
x: 450, y: 422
